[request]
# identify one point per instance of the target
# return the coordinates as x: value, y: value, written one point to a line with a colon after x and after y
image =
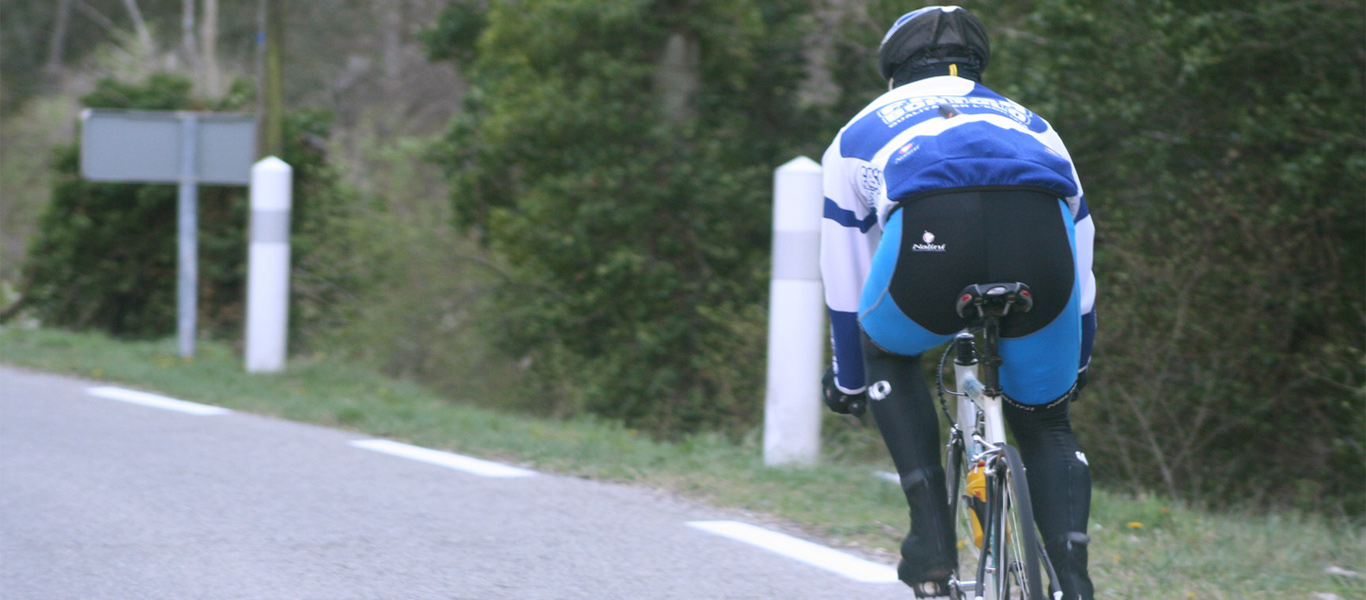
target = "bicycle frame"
x: 978, y: 439
x: 979, y: 428
x: 978, y: 399
x: 990, y: 302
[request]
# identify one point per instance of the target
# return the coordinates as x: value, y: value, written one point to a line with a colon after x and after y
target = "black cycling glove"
x: 1083, y: 378
x: 840, y: 402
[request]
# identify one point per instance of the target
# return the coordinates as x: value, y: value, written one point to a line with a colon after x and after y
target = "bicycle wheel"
x: 1013, y: 570
x: 955, y: 475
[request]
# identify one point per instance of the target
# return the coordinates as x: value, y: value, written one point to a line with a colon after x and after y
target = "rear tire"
x: 1013, y: 540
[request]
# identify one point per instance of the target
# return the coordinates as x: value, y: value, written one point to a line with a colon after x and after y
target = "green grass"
x: 1143, y: 547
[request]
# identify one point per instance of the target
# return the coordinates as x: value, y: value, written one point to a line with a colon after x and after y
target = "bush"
x: 629, y: 190
x: 1220, y: 144
x: 1222, y: 152
x: 105, y: 256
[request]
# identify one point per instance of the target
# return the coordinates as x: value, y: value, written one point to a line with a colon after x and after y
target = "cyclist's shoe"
x: 928, y: 554
x: 1068, y: 555
x: 928, y: 590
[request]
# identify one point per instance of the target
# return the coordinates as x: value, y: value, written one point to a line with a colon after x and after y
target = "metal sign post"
x: 187, y: 247
x: 184, y: 148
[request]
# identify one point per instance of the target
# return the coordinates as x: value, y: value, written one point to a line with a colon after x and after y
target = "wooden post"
x: 272, y: 84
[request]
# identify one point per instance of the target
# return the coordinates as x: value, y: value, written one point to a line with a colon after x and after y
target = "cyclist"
x: 937, y: 184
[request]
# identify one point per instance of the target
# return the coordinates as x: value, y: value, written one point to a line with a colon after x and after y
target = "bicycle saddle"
x: 981, y: 300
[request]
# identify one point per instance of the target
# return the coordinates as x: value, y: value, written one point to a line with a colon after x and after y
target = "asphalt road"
x: 106, y: 499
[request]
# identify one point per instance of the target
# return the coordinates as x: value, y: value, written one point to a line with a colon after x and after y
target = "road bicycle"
x: 988, y: 493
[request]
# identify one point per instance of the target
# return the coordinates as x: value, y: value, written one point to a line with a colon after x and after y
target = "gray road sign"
x: 148, y: 146
x: 185, y: 148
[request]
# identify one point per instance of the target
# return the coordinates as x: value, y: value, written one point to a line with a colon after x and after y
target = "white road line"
x: 155, y: 401
x: 812, y: 554
x: 446, y: 459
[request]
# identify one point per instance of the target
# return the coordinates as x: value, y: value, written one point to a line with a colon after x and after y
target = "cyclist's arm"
x: 847, y: 243
x: 1086, y: 237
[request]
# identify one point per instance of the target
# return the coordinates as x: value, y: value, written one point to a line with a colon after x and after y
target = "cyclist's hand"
x: 840, y: 402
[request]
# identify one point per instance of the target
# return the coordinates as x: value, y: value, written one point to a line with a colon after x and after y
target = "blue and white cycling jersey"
x: 902, y: 145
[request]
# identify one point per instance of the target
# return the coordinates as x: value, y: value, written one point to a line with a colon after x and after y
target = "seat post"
x: 991, y: 359
x: 989, y: 302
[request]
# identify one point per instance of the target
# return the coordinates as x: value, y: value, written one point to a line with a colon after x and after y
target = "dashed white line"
x: 810, y: 553
x: 450, y: 460
x: 155, y: 401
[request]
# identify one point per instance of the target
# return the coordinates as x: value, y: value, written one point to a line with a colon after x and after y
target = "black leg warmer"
x: 910, y: 428
x: 1059, y: 486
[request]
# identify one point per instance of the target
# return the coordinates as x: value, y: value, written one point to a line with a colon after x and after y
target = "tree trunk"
x: 818, y: 88
x: 57, y: 44
x: 391, y: 41
x: 272, y: 84
x: 208, y: 43
x: 678, y: 78
x: 140, y: 26
x: 187, y: 41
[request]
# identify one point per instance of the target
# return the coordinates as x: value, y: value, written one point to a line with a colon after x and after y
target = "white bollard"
x: 268, y: 266
x: 796, y: 317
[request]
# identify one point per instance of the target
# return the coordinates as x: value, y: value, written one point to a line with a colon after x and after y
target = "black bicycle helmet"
x: 928, y: 40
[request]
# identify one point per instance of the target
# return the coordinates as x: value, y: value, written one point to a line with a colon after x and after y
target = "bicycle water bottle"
x: 977, y: 500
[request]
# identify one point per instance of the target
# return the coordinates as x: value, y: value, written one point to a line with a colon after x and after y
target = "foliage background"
x: 637, y: 263
x: 105, y: 254
x: 589, y: 235
x: 1223, y: 145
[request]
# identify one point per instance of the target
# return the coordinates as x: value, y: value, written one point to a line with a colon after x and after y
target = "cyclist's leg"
x: 904, y: 412
x: 910, y: 428
x: 1038, y: 375
x: 1060, y: 488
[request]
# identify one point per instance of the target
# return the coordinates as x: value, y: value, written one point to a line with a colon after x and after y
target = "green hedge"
x: 105, y: 256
